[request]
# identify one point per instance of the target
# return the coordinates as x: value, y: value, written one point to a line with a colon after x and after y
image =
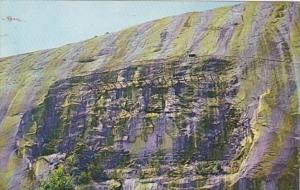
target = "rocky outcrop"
x: 196, y: 101
x: 150, y: 125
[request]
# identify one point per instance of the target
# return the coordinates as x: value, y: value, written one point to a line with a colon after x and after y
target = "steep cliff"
x: 206, y: 100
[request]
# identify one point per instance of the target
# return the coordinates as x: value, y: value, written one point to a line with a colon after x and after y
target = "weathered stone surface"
x: 196, y: 101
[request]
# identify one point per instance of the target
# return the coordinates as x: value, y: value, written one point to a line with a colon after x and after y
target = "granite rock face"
x: 206, y: 100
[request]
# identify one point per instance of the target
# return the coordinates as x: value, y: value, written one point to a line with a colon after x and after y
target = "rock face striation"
x: 206, y: 100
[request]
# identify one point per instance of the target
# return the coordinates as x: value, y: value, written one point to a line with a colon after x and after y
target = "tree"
x: 84, y: 178
x: 58, y: 180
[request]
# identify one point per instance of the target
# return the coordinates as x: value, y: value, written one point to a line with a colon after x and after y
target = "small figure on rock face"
x: 192, y: 55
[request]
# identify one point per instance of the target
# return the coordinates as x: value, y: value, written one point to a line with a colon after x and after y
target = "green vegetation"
x: 84, y: 178
x: 208, y: 167
x: 58, y: 180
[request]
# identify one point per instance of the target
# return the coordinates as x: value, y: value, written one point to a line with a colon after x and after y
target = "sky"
x: 27, y: 26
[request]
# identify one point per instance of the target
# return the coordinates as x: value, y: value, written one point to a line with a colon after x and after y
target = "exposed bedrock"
x: 174, y: 125
x: 202, y: 100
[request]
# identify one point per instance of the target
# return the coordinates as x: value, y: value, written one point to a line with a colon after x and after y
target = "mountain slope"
x: 199, y: 100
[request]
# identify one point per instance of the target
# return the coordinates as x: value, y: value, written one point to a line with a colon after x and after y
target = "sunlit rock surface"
x: 205, y: 100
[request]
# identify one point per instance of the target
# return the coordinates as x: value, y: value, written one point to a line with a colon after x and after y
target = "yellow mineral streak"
x: 185, y: 35
x: 209, y: 41
x: 242, y: 32
x: 153, y: 40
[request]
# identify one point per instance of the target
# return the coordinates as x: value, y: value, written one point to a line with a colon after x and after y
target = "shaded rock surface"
x: 196, y: 101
